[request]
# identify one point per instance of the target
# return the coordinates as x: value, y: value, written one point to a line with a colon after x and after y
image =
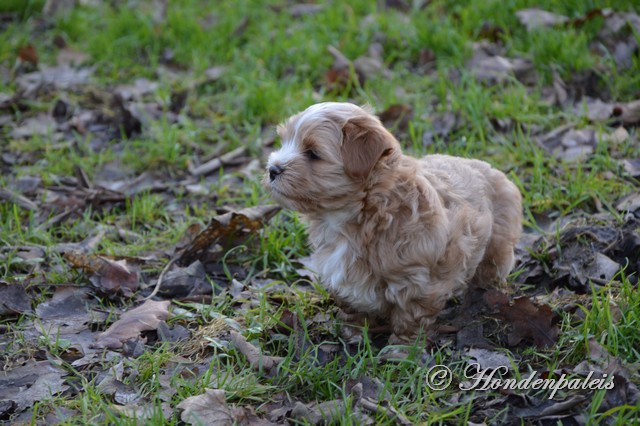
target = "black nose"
x: 274, y: 171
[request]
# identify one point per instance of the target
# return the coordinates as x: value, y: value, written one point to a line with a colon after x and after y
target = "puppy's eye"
x: 311, y: 155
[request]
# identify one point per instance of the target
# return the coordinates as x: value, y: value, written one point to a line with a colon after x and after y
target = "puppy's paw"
x: 401, y: 339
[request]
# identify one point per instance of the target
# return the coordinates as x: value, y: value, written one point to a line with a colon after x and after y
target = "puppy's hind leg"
x: 498, y: 258
x: 415, y: 318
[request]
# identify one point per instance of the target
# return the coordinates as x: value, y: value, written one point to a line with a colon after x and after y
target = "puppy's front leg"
x: 415, y: 316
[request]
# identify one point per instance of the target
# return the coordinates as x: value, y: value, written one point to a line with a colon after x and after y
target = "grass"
x: 276, y: 66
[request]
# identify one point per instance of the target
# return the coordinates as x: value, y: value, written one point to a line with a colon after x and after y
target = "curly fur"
x: 393, y: 236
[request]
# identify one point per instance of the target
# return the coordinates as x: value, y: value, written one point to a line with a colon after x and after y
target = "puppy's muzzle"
x: 274, y: 172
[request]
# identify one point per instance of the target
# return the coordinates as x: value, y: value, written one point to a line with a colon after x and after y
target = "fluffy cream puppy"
x: 393, y: 236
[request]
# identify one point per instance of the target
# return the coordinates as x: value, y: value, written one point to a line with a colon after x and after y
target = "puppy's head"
x: 330, y: 153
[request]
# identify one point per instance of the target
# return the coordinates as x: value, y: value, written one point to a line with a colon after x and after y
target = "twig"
x: 256, y: 359
x: 58, y: 218
x: 214, y: 164
x: 160, y: 278
x: 18, y: 200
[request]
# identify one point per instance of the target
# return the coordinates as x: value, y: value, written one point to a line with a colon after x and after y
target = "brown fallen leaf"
x: 68, y: 314
x: 617, y: 37
x: 13, y: 299
x: 496, y: 69
x: 138, y: 90
x: 58, y: 7
x: 45, y: 387
x: 442, y: 124
x: 617, y: 137
x: 366, y: 397
x: 538, y: 18
x: 631, y: 166
x: 491, y: 32
x: 209, y: 408
x: 28, y: 54
x: 145, y: 317
x: 6, y: 101
x: 365, y: 66
x: 305, y: 9
x: 489, y: 359
x: 549, y: 408
x: 569, y: 144
x: 185, y: 282
x: 426, y: 60
x: 596, y: 110
x: 226, y: 230
x: 60, y: 78
x: 339, y: 76
x: 256, y: 359
x: 40, y: 125
x: 396, y: 115
x: 372, y: 63
x: 401, y: 5
x: 70, y: 57
x: 629, y: 112
x: 110, y: 276
x: 590, y: 15
x: 213, y: 74
x: 527, y: 320
x: 326, y: 412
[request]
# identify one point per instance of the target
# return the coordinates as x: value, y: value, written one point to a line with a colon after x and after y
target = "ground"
x: 133, y: 138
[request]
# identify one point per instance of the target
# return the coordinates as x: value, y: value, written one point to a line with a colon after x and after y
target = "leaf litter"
x: 75, y: 323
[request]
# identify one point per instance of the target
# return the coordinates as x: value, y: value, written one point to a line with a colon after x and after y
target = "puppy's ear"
x: 365, y: 141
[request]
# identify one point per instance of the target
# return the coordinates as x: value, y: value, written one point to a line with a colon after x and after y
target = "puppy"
x: 393, y: 237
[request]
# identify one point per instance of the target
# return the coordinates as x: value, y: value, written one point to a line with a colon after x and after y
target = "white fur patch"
x: 335, y: 220
x: 284, y: 155
x: 333, y: 267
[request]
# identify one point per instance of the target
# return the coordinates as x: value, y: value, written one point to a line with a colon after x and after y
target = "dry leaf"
x: 537, y: 18
x: 140, y: 88
x: 107, y: 275
x: 185, y: 282
x: 59, y: 7
x: 305, y: 9
x: 396, y: 115
x: 227, y: 229
x: 60, y: 78
x: 145, y: 317
x: 549, y: 408
x: 629, y: 112
x: 326, y: 412
x: 28, y: 54
x: 67, y: 314
x: 13, y: 299
x: 598, y: 111
x: 68, y: 57
x: 30, y: 383
x: 442, y: 124
x: 489, y: 359
x: 209, y: 408
x: 496, y: 69
x: 631, y: 166
x: 214, y: 74
x: 527, y: 320
x: 569, y: 144
x: 40, y: 125
x: 365, y: 67
x: 401, y: 5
